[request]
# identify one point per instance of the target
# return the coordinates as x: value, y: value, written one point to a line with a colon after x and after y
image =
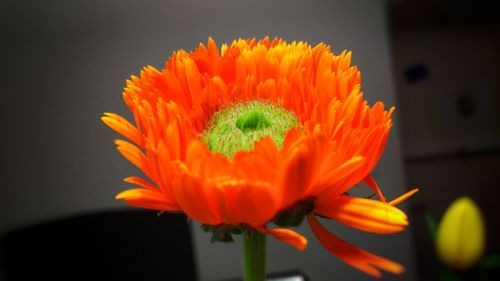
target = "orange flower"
x: 259, y: 132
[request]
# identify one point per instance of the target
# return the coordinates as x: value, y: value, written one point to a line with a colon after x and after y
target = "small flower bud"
x: 461, y: 235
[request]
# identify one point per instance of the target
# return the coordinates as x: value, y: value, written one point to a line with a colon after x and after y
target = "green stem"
x: 254, y: 256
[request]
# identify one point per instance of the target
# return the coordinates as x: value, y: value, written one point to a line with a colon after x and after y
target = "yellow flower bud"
x: 461, y: 235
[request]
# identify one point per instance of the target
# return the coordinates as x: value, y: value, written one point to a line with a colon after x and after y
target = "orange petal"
x: 364, y: 214
x: 333, y: 183
x: 241, y: 201
x: 134, y: 155
x: 261, y: 163
x: 296, y: 175
x: 292, y: 136
x: 403, y: 197
x: 195, y: 198
x: 202, y: 162
x: 370, y: 181
x: 123, y: 127
x: 287, y: 236
x: 140, y: 182
x: 350, y: 254
x: 149, y: 199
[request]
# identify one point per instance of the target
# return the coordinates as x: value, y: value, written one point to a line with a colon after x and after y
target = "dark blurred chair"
x: 117, y: 245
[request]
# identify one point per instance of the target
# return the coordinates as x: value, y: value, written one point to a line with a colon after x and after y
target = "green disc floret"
x: 239, y: 125
x: 251, y: 121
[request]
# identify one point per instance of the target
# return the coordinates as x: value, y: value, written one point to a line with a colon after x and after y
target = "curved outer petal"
x: 287, y: 236
x: 236, y: 193
x: 355, y: 257
x: 123, y: 127
x: 196, y: 199
x: 148, y: 199
x: 135, y: 156
x: 364, y: 214
x: 140, y: 182
x: 295, y: 176
x: 241, y: 201
x: 260, y: 164
x: 336, y: 181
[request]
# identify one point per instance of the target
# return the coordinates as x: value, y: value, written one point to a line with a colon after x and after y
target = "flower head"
x: 259, y: 132
x: 461, y: 235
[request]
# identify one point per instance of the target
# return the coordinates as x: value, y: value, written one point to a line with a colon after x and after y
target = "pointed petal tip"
x: 128, y: 194
x: 121, y: 195
x: 364, y: 214
x: 403, y: 197
x: 360, y: 259
x: 120, y: 142
x: 105, y: 119
x: 287, y: 236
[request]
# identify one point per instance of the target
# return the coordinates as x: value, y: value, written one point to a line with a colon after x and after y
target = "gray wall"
x: 450, y: 153
x: 64, y: 63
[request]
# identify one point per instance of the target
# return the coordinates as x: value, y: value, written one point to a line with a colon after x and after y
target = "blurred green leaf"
x: 431, y: 226
x: 447, y: 274
x: 490, y: 261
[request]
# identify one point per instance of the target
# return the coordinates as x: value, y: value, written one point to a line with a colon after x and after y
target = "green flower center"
x: 253, y: 120
x: 238, y: 126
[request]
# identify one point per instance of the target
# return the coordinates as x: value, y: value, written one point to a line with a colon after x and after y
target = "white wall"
x: 65, y: 63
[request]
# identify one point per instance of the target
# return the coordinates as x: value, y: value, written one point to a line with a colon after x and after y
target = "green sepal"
x: 224, y: 233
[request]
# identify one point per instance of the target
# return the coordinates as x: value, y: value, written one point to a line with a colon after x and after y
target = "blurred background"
x: 64, y: 63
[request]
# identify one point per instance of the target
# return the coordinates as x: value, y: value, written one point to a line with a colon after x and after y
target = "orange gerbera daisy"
x: 259, y: 132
